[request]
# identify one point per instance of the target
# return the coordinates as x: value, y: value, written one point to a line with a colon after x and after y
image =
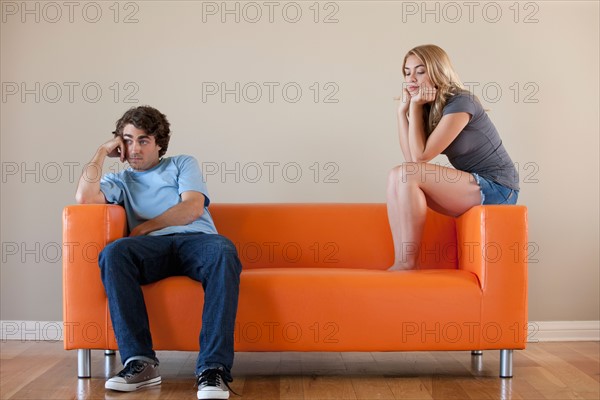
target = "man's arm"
x: 88, y: 189
x: 184, y: 213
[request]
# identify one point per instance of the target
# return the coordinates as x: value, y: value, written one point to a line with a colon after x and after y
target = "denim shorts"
x: 495, y: 193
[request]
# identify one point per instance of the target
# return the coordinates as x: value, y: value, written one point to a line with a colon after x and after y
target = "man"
x: 171, y: 233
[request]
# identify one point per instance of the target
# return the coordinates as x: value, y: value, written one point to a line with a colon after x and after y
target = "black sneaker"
x: 213, y: 384
x: 137, y: 374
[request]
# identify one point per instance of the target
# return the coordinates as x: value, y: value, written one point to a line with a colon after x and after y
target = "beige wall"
x: 534, y: 65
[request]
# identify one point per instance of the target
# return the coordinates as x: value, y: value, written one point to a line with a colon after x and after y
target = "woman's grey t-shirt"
x: 478, y: 148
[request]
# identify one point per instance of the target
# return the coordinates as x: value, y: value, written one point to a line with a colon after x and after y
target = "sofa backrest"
x: 327, y: 235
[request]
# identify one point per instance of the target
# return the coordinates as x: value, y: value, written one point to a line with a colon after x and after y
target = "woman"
x: 437, y: 115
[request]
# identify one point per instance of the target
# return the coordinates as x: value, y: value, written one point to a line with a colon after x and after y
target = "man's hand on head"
x: 115, y: 148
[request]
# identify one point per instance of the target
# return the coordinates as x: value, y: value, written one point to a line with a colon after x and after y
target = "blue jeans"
x: 211, y: 259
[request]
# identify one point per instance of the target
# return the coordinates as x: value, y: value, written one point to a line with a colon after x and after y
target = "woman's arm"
x: 450, y: 125
x: 403, y: 136
x: 444, y: 133
x: 403, y: 125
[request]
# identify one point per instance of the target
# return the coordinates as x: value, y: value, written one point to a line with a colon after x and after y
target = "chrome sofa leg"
x: 109, y: 352
x: 84, y: 363
x: 506, y: 363
x: 477, y: 361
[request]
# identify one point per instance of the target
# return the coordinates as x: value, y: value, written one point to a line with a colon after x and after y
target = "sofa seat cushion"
x: 327, y: 309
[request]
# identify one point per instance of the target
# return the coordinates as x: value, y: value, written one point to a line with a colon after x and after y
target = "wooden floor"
x: 558, y: 370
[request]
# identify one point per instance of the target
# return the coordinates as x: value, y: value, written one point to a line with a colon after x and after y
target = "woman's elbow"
x: 420, y: 159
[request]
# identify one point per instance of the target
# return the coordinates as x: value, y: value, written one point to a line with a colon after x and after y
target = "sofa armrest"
x: 492, y: 243
x: 87, y: 229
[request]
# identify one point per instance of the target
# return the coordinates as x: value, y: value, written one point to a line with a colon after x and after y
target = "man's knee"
x: 220, y: 247
x: 112, y: 254
x: 112, y: 249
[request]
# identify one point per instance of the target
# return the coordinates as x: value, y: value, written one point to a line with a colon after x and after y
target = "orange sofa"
x: 314, y: 279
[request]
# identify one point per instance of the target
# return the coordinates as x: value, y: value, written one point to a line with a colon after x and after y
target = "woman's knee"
x: 405, y: 173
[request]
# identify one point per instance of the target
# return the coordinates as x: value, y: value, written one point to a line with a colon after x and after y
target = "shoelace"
x: 131, y: 369
x: 214, y: 377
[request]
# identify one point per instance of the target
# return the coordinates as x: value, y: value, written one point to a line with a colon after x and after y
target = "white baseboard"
x: 563, y: 331
x: 542, y: 331
x: 37, y: 331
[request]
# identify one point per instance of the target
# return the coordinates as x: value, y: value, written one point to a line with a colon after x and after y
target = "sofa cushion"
x: 324, y: 309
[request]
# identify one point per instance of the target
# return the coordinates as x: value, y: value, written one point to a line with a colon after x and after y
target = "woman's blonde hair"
x: 442, y: 75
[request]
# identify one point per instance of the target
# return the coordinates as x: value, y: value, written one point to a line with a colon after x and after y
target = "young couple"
x: 166, y: 202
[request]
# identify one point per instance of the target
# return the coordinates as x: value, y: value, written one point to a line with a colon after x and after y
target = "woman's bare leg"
x: 412, y: 187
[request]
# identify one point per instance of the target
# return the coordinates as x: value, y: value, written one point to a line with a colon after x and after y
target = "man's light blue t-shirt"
x: 147, y: 194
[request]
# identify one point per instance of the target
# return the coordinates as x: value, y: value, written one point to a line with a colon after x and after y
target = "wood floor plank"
x: 571, y: 377
x: 328, y: 388
x: 411, y: 388
x: 291, y: 388
x: 565, y: 370
x: 404, y: 364
x: 585, y: 357
x: 13, y: 348
x: 27, y: 362
x: 543, y: 380
x: 446, y: 387
x: 262, y: 387
x: 587, y: 349
x: 518, y: 389
x: 371, y: 387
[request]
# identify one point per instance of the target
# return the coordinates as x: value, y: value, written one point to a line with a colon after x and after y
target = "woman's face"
x: 416, y: 75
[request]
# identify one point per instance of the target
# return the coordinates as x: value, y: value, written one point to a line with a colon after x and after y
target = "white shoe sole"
x: 131, y: 387
x: 213, y: 394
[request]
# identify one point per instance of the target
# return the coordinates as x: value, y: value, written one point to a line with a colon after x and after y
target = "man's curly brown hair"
x: 151, y: 121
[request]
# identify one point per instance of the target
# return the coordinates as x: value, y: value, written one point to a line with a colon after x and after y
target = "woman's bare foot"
x: 400, y: 267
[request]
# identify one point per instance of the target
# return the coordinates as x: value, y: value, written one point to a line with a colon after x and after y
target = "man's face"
x: 141, y: 150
